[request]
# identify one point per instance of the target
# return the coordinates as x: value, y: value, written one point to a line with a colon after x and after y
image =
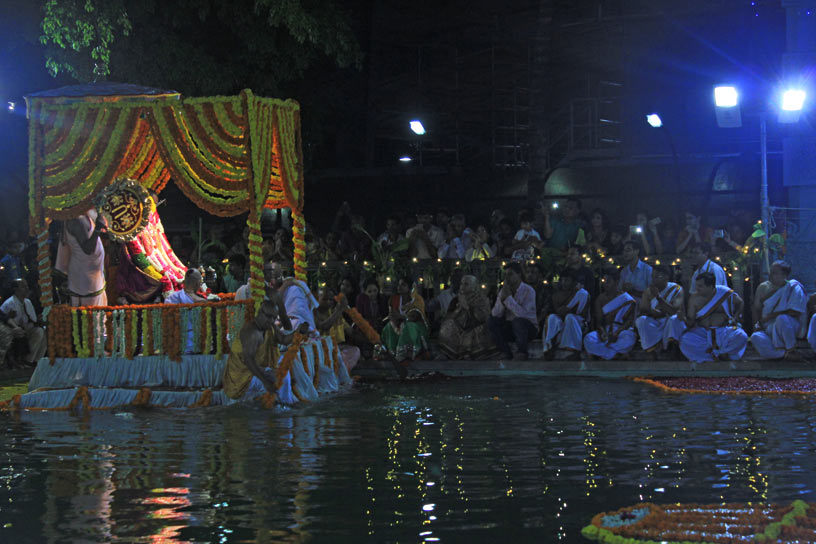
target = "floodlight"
x: 725, y: 96
x: 405, y: 159
x: 416, y: 126
x: 654, y: 120
x: 793, y: 99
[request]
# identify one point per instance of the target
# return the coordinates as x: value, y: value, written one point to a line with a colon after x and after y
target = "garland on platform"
x: 147, y: 331
x: 719, y: 523
x: 90, y: 331
x: 360, y: 321
x: 288, y: 359
x: 299, y: 240
x: 44, y: 271
x: 734, y: 385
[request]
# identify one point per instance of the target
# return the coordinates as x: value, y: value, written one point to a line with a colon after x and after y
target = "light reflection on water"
x: 491, y: 459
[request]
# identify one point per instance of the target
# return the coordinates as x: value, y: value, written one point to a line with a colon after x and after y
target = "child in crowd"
x: 530, y: 238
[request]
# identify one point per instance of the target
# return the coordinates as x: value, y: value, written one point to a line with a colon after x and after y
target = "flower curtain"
x: 229, y: 155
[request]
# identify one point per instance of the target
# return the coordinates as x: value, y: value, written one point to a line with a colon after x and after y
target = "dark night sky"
x: 668, y: 63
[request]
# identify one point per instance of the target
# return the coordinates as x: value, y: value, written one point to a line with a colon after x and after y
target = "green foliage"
x: 196, y: 46
x: 78, y: 35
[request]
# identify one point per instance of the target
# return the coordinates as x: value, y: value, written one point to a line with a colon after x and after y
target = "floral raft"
x: 734, y: 385
x: 705, y: 523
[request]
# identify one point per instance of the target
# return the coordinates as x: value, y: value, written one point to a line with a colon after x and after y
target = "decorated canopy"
x: 228, y: 154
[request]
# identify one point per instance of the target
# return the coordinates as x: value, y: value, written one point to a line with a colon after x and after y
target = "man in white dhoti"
x: 701, y: 256
x: 81, y: 257
x: 713, y: 331
x: 659, y: 303
x: 564, y: 327
x: 781, y: 304
x: 615, y: 315
x: 298, y: 300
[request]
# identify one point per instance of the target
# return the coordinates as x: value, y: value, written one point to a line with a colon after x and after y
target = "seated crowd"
x: 605, y: 316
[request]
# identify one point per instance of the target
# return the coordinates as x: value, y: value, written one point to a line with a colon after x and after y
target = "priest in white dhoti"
x: 615, y: 315
x: 564, y: 328
x: 712, y: 318
x: 701, y: 256
x: 659, y: 303
x: 298, y: 299
x: 81, y: 257
x: 781, y: 304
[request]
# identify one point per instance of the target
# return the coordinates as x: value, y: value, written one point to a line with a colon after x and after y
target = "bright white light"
x: 405, y: 159
x: 11, y: 106
x: 725, y: 96
x: 428, y: 507
x: 793, y: 100
x: 654, y: 120
x: 416, y: 126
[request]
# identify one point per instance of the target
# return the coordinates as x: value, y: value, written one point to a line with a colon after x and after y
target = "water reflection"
x: 495, y: 459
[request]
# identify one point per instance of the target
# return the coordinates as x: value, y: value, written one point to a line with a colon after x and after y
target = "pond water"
x: 469, y: 459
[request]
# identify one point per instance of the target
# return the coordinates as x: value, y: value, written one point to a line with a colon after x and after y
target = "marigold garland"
x: 208, y: 347
x: 204, y: 400
x: 219, y: 346
x: 720, y: 523
x: 78, y: 331
x: 223, y: 335
x: 289, y: 358
x: 361, y: 322
x: 147, y: 331
x: 142, y: 398
x: 109, y: 331
x: 739, y: 385
x: 268, y: 400
x: 128, y: 335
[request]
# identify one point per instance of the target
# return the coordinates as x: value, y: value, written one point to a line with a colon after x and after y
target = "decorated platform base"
x: 193, y: 381
x: 705, y: 523
x: 735, y: 385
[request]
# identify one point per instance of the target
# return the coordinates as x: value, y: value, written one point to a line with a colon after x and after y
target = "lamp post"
x: 726, y: 98
x: 763, y: 190
x: 655, y: 121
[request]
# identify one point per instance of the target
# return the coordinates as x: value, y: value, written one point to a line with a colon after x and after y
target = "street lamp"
x: 405, y: 158
x: 416, y: 126
x: 726, y: 98
x: 654, y: 120
x: 793, y: 100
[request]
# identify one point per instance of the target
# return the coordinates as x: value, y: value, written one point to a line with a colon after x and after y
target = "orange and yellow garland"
x: 660, y: 384
x: 64, y: 340
x: 361, y: 322
x: 720, y: 523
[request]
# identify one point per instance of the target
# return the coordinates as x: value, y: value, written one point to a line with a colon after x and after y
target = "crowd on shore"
x: 604, y: 312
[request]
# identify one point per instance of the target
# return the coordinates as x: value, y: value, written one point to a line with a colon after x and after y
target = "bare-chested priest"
x: 713, y: 325
x: 781, y: 305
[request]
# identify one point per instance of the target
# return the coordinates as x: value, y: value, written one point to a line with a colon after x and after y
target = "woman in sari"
x: 464, y: 333
x: 368, y: 304
x: 405, y: 335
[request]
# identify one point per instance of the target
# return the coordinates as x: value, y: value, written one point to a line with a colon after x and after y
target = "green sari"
x: 411, y: 338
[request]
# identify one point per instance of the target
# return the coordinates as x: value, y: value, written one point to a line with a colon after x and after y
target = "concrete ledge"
x: 599, y: 369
